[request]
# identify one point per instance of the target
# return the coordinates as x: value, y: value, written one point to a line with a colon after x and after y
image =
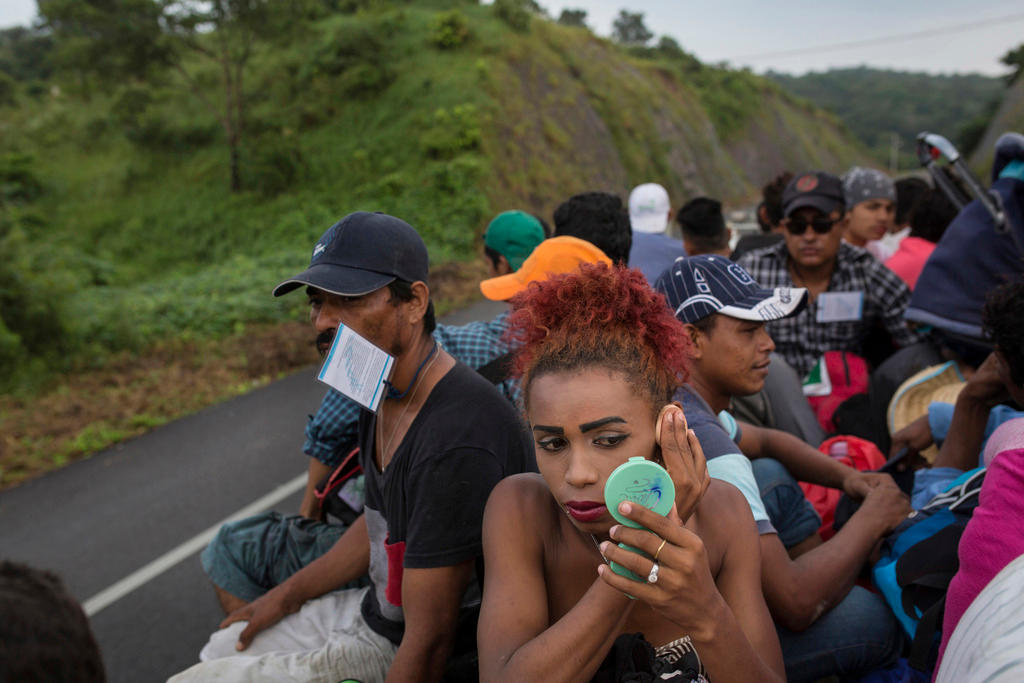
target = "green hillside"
x: 1009, y: 117
x: 123, y: 229
x: 125, y: 248
x: 877, y: 103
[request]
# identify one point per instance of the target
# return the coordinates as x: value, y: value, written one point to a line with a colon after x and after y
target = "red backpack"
x: 847, y: 375
x: 858, y: 453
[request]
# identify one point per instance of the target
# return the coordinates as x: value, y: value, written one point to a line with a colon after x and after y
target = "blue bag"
x: 919, y: 560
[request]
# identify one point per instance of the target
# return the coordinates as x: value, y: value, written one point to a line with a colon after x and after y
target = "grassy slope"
x: 146, y: 250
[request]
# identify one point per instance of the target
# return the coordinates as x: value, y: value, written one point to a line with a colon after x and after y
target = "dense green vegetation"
x: 875, y: 104
x: 122, y: 222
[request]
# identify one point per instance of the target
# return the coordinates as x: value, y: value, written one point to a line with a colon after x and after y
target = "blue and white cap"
x: 699, y: 286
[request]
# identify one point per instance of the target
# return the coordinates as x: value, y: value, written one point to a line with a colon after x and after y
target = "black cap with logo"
x: 362, y: 253
x: 822, y: 191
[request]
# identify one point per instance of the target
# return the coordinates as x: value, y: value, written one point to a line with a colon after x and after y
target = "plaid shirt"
x: 800, y: 339
x: 333, y: 431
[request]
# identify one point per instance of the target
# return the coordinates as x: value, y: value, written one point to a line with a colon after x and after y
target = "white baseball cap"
x: 648, y: 208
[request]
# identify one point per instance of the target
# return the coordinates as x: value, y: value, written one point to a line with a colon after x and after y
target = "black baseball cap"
x: 362, y: 253
x: 821, y: 191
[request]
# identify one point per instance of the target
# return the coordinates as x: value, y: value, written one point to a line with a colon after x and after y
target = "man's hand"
x: 261, y: 613
x: 985, y: 387
x: 858, y: 484
x: 886, y: 504
x: 915, y: 437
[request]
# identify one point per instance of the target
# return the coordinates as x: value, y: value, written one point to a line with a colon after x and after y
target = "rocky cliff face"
x: 576, y: 113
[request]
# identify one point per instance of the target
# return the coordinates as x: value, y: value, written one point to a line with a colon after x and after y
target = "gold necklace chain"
x: 401, y: 416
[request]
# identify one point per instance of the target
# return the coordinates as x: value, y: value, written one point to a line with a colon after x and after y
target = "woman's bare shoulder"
x: 722, y: 517
x: 522, y: 497
x: 723, y: 500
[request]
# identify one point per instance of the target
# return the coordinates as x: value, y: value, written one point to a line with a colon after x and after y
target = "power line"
x: 930, y: 33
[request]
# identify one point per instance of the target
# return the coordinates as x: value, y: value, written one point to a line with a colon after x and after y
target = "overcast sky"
x: 938, y: 36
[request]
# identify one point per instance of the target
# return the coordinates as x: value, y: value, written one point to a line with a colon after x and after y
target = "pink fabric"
x: 992, y: 539
x: 909, y: 259
x: 1006, y: 436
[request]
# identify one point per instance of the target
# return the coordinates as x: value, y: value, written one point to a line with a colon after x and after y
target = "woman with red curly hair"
x: 600, y: 359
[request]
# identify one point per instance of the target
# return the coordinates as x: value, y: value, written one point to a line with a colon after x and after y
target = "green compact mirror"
x: 639, y: 481
x: 645, y: 483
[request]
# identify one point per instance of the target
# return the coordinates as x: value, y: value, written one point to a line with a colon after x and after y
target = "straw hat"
x: 938, y: 383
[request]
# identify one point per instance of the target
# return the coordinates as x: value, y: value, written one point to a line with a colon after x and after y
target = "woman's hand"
x: 683, y: 458
x: 682, y: 589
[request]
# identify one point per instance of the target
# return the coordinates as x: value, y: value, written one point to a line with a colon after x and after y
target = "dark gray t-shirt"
x: 426, y: 508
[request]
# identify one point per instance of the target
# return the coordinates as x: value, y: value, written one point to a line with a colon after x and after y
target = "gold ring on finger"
x: 658, y: 551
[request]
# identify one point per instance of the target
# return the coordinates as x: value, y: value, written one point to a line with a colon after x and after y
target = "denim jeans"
x: 790, y: 512
x: 252, y: 555
x: 858, y: 635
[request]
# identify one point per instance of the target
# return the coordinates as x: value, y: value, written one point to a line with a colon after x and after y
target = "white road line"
x: 161, y: 564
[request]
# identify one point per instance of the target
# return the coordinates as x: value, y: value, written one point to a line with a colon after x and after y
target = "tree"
x: 573, y: 17
x: 119, y: 39
x: 1015, y: 60
x: 628, y: 29
x: 25, y: 53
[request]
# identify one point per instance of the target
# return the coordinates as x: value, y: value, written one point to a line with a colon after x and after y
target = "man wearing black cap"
x: 849, y: 291
x: 432, y: 451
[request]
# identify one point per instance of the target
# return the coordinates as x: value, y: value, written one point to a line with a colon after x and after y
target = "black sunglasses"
x: 819, y: 225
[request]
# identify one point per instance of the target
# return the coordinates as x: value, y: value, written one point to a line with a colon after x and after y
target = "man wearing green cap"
x: 509, y: 239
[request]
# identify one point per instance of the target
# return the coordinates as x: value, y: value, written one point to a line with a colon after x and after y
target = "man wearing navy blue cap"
x: 430, y: 453
x: 824, y: 628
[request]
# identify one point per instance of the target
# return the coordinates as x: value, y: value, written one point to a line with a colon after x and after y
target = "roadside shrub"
x: 31, y: 322
x: 449, y: 30
x: 216, y: 301
x: 129, y: 106
x: 514, y: 13
x: 18, y: 182
x: 274, y: 165
x: 150, y: 127
x: 357, y: 55
x: 158, y: 132
x: 8, y: 90
x: 363, y: 80
x: 452, y: 132
x: 458, y: 177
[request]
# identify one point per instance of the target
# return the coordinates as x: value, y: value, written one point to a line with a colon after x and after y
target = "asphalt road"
x: 145, y: 505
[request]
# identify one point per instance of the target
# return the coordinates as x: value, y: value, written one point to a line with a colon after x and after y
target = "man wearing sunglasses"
x: 850, y: 293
